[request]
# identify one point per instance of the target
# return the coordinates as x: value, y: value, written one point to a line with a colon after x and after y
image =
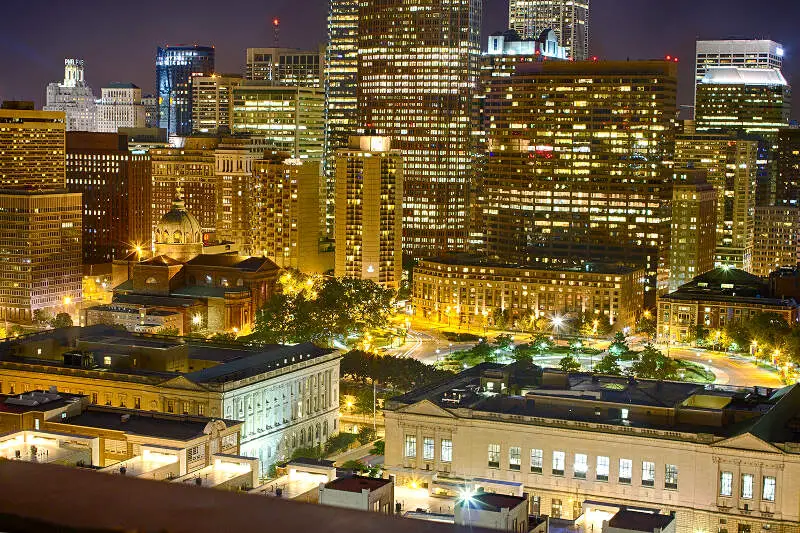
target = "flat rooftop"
x: 489, y: 501
x: 357, y: 484
x: 145, y: 423
x: 592, y: 267
x: 36, y: 401
x: 639, y: 521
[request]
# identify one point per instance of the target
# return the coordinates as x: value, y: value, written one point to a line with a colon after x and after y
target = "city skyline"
x: 651, y: 30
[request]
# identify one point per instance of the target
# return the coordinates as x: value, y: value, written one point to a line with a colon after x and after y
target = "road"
x: 428, y: 346
x: 730, y: 370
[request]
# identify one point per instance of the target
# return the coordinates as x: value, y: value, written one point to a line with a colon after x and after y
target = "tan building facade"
x: 369, y: 211
x: 467, y: 291
x: 212, y: 103
x: 32, y: 144
x: 575, y: 446
x: 777, y: 242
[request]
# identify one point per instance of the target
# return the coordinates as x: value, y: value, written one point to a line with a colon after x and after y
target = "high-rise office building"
x: 569, y: 19
x: 189, y: 171
x: 120, y: 106
x: 730, y: 163
x: 176, y: 66
x: 150, y: 104
x: 751, y: 101
x: 73, y: 97
x: 737, y: 53
x: 286, y: 223
x: 116, y: 186
x: 369, y: 211
x: 212, y: 103
x: 340, y: 81
x: 291, y: 119
x: 32, y: 154
x: 40, y: 222
x: 777, y: 238
x: 234, y: 172
x: 286, y: 66
x: 563, y: 185
x: 694, y: 219
x: 787, y: 155
x: 417, y: 74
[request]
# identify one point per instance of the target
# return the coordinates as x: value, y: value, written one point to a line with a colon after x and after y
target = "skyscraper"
x: 739, y: 53
x: 40, y: 222
x: 286, y: 223
x: 693, y: 235
x: 116, y: 186
x: 286, y: 66
x: 573, y: 173
x: 369, y: 203
x: 120, y: 106
x: 212, y: 103
x: 74, y: 97
x: 417, y: 73
x: 176, y: 66
x: 290, y: 119
x: 730, y: 163
x: 340, y: 81
x: 569, y: 19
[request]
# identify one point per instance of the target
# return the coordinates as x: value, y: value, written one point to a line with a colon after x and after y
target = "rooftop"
x: 357, y: 483
x: 146, y: 423
x: 639, y: 521
x: 469, y: 260
x: 239, y: 262
x: 743, y: 76
x: 36, y: 401
x: 489, y: 501
x: 729, y: 285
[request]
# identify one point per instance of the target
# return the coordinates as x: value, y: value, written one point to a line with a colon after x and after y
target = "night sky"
x: 118, y: 39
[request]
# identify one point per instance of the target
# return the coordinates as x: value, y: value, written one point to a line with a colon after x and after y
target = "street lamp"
x: 557, y: 321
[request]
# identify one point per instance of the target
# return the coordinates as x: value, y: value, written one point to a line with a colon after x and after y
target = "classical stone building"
x: 721, y: 459
x: 717, y: 298
x: 194, y: 274
x: 468, y: 290
x: 286, y: 396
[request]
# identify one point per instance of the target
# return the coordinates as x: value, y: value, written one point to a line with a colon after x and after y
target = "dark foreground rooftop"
x: 639, y: 521
x: 39, y: 497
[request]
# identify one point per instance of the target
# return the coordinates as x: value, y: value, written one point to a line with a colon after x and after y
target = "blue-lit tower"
x: 175, y: 68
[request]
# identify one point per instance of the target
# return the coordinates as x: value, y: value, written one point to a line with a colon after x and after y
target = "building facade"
x: 40, y: 255
x: 176, y: 68
x: 569, y: 19
x: 561, y: 186
x: 582, y: 447
x: 777, y: 238
x: 787, y: 154
x: 73, y: 97
x: 120, y: 106
x: 340, y: 82
x: 369, y: 211
x: 468, y: 291
x: 286, y: 66
x: 740, y: 53
x: 31, y: 147
x: 417, y: 73
x: 730, y: 164
x: 116, y: 186
x: 694, y: 221
x: 234, y: 171
x: 286, y: 223
x: 212, y: 103
x: 290, y: 119
x: 716, y: 299
x: 287, y: 397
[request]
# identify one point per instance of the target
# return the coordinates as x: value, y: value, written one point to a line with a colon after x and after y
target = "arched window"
x: 177, y: 236
x: 240, y: 282
x: 151, y: 281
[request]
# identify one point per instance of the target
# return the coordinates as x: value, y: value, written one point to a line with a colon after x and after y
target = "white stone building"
x: 120, y: 106
x: 74, y: 97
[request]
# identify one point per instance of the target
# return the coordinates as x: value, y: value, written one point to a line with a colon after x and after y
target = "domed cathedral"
x: 206, y: 281
x: 178, y: 234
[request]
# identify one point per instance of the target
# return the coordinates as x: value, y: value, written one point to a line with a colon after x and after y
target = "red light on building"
x: 276, y: 21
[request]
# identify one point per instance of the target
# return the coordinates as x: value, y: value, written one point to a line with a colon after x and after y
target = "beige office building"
x: 369, y: 211
x: 467, y: 290
x: 212, y: 102
x: 730, y: 164
x: 582, y: 446
x: 694, y: 219
x: 286, y: 66
x: 286, y: 218
x: 777, y: 241
x: 32, y: 147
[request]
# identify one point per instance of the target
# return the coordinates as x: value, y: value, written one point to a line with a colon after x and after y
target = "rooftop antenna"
x: 276, y: 31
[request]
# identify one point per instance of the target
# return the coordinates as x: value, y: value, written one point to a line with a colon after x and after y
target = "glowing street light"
x: 197, y: 319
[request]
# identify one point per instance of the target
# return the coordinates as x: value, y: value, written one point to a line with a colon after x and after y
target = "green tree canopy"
x: 569, y: 364
x: 652, y: 364
x: 608, y: 365
x: 61, y: 320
